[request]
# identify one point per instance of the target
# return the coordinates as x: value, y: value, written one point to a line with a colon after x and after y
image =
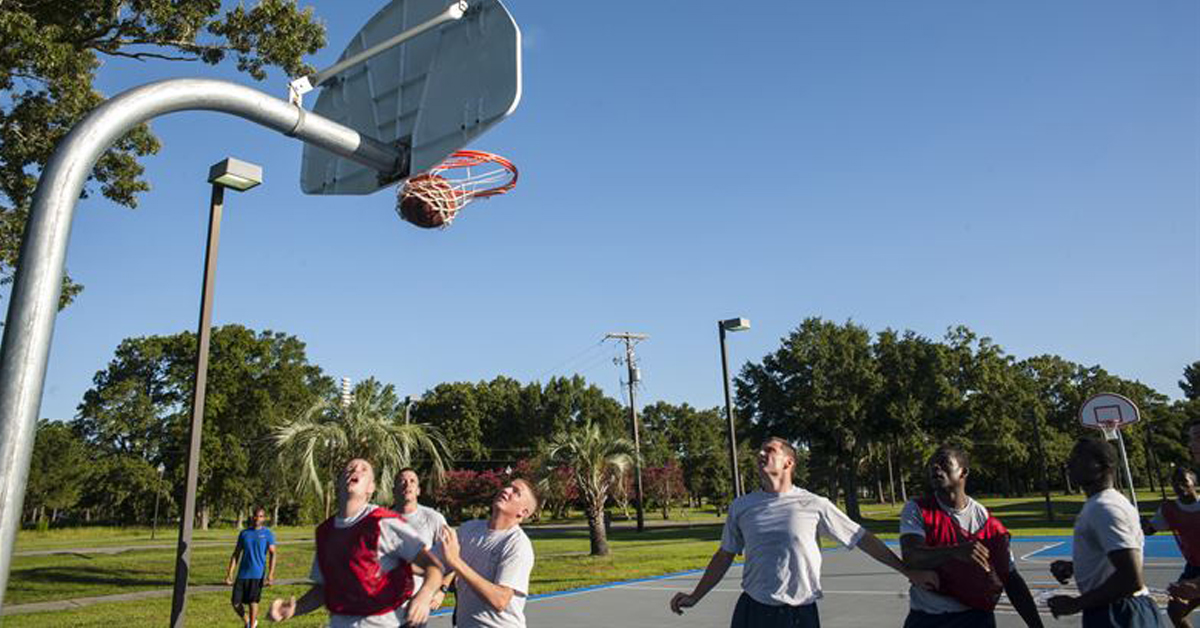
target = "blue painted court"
x: 1160, y: 548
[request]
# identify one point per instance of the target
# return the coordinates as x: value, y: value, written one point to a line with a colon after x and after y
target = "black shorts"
x: 247, y: 590
x: 750, y: 613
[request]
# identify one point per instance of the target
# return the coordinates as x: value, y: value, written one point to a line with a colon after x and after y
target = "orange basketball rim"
x: 434, y: 198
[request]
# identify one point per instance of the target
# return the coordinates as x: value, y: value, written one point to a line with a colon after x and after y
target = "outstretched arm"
x: 717, y: 566
x: 917, y: 555
x: 873, y: 547
x: 1124, y: 581
x: 282, y: 610
x: 1022, y: 600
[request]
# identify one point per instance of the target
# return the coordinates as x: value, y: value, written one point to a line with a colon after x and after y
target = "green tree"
x: 139, y: 407
x: 327, y: 435
x: 56, y: 471
x: 598, y: 461
x: 50, y: 51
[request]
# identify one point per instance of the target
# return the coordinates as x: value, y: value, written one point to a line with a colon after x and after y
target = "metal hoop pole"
x: 29, y: 325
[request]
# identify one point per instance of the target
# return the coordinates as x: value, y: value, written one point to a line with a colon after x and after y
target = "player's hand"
x: 1062, y: 570
x: 435, y: 602
x: 1148, y: 528
x: 270, y: 581
x: 1186, y: 590
x: 974, y: 552
x: 923, y: 579
x: 228, y: 579
x: 418, y: 610
x: 1063, y: 605
x: 682, y: 601
x: 282, y: 609
x: 449, y: 545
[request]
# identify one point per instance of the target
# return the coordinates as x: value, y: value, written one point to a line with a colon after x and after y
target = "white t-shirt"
x: 1106, y: 523
x: 397, y: 541
x: 1159, y: 521
x: 427, y: 523
x: 970, y: 518
x: 503, y: 557
x: 777, y: 532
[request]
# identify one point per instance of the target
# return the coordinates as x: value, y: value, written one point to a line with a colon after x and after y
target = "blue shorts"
x: 1137, y: 611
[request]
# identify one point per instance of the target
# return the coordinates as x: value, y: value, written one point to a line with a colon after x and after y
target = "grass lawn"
x: 561, y: 550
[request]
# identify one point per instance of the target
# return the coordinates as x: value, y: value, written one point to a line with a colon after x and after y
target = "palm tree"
x: 371, y: 427
x: 598, y: 462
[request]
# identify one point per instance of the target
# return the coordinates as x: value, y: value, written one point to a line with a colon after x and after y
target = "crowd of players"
x: 384, y: 568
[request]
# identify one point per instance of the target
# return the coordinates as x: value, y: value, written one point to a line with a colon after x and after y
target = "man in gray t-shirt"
x: 427, y: 523
x: 948, y: 469
x: 776, y: 529
x: 493, y: 560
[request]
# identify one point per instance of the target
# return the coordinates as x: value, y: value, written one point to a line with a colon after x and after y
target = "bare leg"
x: 253, y: 614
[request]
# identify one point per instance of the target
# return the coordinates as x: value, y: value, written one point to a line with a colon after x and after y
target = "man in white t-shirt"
x: 949, y: 532
x: 776, y: 529
x: 492, y: 560
x: 427, y: 522
x: 362, y: 570
x: 1107, y: 548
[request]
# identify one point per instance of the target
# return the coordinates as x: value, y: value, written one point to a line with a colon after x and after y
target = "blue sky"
x: 1028, y: 169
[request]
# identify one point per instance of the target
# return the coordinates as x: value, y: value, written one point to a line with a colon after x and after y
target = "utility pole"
x: 634, y: 376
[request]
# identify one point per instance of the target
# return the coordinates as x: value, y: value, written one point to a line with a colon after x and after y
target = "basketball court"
x: 858, y: 592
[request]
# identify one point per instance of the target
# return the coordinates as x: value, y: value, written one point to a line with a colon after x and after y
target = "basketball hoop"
x: 434, y: 198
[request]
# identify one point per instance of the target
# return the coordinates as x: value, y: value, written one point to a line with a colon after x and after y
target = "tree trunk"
x: 204, y: 513
x: 852, y: 489
x: 275, y: 513
x: 1067, y: 475
x: 891, y: 476
x: 596, y: 533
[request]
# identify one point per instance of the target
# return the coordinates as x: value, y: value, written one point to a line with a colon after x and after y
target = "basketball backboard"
x: 1108, y: 410
x: 432, y: 95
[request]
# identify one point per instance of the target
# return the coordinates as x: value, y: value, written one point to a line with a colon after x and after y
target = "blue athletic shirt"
x: 254, y: 544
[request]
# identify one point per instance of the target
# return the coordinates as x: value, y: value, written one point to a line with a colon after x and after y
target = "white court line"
x: 1042, y: 549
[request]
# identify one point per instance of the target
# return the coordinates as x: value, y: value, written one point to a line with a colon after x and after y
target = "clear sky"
x: 1026, y: 168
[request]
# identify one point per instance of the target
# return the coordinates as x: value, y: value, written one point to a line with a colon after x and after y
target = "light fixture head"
x: 235, y: 174
x: 736, y: 324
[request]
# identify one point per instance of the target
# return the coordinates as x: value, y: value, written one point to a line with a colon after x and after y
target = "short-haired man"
x: 427, y: 522
x: 1107, y: 548
x: 955, y: 535
x: 1182, y: 518
x: 776, y: 528
x: 254, y: 545
x: 362, y: 570
x: 492, y: 560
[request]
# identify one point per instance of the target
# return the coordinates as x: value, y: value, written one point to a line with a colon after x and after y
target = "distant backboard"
x: 432, y: 95
x: 1108, y: 410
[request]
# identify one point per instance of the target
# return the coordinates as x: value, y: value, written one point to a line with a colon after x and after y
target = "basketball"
x: 428, y: 201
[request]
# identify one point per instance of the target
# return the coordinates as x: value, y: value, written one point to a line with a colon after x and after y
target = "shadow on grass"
x: 34, y: 580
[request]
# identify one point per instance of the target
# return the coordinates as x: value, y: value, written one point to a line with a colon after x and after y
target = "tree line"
x: 865, y: 409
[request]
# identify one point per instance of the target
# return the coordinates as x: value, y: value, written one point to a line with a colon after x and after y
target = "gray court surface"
x: 858, y: 592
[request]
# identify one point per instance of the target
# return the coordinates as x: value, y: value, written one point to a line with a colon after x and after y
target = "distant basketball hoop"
x: 433, y: 199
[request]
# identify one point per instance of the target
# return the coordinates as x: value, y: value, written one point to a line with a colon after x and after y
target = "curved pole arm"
x: 34, y: 299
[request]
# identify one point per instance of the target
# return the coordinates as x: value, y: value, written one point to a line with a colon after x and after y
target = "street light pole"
x: 733, y: 324
x: 240, y: 176
x: 157, y: 494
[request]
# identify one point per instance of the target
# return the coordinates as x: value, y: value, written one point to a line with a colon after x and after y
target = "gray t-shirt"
x: 397, y: 541
x: 503, y: 557
x: 1106, y: 523
x: 777, y: 532
x: 427, y: 523
x: 970, y: 518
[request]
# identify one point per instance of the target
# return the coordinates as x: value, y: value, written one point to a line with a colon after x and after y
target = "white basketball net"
x: 449, y: 186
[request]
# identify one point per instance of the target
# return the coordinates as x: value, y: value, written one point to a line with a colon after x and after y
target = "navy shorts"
x: 247, y: 591
x: 1137, y: 611
x: 973, y: 618
x: 750, y: 613
x: 1190, y: 572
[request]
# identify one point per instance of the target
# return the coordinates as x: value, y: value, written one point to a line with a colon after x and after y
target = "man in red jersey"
x: 1181, y: 517
x: 363, y: 569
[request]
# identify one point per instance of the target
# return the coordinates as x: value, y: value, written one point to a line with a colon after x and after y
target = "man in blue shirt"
x: 254, y: 544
